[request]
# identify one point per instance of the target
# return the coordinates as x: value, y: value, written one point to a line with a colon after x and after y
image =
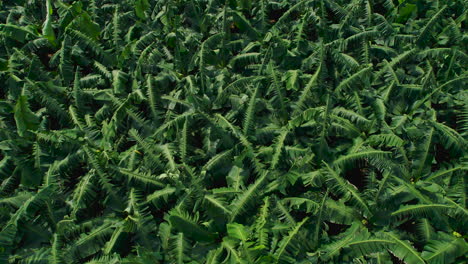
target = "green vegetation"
x: 233, y: 131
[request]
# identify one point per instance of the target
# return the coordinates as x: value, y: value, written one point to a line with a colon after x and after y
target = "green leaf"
x: 47, y: 30
x: 141, y: 6
x: 286, y: 242
x: 190, y: 228
x: 405, y: 12
x: 444, y: 251
x: 420, y: 209
x: 404, y: 250
x: 24, y: 117
x: 238, y: 231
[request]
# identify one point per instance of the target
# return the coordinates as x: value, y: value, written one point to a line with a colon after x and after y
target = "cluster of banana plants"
x: 233, y: 131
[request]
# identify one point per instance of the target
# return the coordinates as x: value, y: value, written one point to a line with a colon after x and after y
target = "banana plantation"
x: 233, y: 131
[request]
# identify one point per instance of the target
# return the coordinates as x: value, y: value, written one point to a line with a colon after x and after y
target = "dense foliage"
x: 233, y: 131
